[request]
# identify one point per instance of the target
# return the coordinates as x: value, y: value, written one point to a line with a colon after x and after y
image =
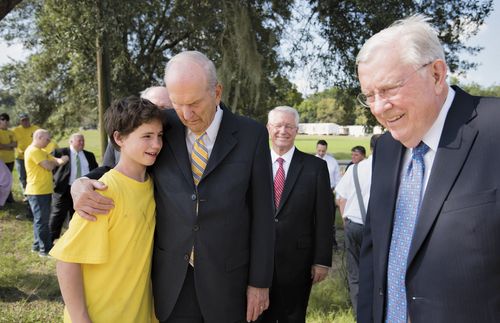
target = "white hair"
x: 284, y: 109
x: 199, y: 59
x: 415, y: 36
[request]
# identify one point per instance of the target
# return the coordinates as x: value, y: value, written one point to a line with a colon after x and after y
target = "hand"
x: 64, y: 159
x: 318, y: 273
x: 257, y: 302
x: 86, y: 201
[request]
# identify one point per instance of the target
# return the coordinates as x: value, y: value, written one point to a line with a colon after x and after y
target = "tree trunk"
x: 103, y: 73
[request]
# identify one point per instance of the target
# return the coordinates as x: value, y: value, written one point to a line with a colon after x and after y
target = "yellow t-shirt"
x: 24, y: 138
x: 7, y: 137
x: 115, y: 253
x: 38, y: 179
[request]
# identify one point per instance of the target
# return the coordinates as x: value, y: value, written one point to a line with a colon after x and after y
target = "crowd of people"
x: 196, y: 218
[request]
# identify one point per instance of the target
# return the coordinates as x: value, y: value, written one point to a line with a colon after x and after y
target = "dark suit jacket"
x: 304, y: 221
x: 233, y: 232
x: 61, y: 173
x: 453, y: 270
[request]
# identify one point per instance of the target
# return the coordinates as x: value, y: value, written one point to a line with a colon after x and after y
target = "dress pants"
x: 288, y: 303
x: 353, y: 239
x: 62, y: 207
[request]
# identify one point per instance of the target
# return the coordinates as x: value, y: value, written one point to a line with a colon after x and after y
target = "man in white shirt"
x: 353, y: 212
x: 334, y: 173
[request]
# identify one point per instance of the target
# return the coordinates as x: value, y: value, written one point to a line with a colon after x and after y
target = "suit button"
x: 193, y: 197
x: 276, y: 220
x: 380, y: 293
x: 186, y: 257
x: 196, y: 228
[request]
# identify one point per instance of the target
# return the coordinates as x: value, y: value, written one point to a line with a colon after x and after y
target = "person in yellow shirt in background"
x: 24, y: 135
x: 8, y: 142
x: 104, y: 267
x: 51, y: 147
x: 39, y: 188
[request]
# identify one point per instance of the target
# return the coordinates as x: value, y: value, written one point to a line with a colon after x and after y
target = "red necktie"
x: 279, y: 182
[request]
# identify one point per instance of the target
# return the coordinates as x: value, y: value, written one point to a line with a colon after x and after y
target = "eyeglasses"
x: 387, y: 93
x: 288, y: 127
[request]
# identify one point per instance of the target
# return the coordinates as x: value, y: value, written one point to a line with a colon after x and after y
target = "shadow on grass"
x: 30, y: 287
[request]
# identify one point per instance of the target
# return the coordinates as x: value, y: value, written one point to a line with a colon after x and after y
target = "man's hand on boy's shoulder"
x: 86, y: 201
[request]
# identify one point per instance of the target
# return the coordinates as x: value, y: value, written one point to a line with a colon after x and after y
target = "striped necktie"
x: 199, y: 159
x: 78, y: 166
x: 405, y: 219
x: 279, y: 182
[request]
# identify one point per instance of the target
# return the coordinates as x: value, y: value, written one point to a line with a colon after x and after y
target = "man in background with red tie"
x: 302, y: 217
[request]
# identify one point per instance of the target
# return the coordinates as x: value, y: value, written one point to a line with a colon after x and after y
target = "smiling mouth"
x: 394, y: 119
x: 152, y: 154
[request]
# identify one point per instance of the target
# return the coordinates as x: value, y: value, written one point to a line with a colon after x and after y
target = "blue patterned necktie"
x: 405, y: 219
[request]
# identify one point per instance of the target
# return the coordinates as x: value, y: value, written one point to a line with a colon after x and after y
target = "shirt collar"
x: 212, y: 130
x: 286, y: 156
x: 433, y: 136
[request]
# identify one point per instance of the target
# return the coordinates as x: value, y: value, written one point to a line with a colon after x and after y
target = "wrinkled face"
x: 194, y: 102
x: 321, y: 150
x: 77, y: 142
x: 282, y: 131
x: 141, y: 146
x: 356, y: 157
x: 410, y: 113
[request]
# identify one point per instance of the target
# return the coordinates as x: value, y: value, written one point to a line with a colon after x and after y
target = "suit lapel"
x: 175, y: 139
x: 455, y: 144
x: 386, y: 184
x: 294, y: 170
x: 224, y: 142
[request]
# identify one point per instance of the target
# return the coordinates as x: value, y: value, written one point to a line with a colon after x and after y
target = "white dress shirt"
x: 287, y: 157
x: 346, y: 189
x: 431, y: 139
x: 333, y: 169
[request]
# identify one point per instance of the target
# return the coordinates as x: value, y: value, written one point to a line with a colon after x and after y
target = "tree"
x: 241, y: 37
x: 6, y: 6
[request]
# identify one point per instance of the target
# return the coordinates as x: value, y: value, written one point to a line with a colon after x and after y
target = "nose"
x: 379, y: 104
x: 157, y: 143
x: 187, y: 113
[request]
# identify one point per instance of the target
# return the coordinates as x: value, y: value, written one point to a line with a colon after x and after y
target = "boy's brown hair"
x: 127, y: 114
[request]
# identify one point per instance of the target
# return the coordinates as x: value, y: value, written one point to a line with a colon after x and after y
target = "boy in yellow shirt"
x: 39, y: 188
x: 104, y: 266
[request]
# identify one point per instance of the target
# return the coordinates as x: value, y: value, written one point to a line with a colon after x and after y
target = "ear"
x: 439, y: 70
x: 118, y: 138
x: 218, y: 93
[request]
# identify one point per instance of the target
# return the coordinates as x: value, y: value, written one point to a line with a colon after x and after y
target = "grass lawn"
x: 28, y: 286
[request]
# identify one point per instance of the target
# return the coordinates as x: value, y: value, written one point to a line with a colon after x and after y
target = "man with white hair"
x: 431, y: 245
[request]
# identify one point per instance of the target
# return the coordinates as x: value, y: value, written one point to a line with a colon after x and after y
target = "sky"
x: 487, y: 74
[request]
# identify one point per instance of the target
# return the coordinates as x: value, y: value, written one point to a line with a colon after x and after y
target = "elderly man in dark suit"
x: 214, y: 241
x: 431, y: 245
x: 80, y: 163
x: 303, y: 220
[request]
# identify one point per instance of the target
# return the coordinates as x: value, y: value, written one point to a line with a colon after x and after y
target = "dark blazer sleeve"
x: 98, y: 172
x: 109, y: 159
x: 262, y: 228
x: 324, y: 218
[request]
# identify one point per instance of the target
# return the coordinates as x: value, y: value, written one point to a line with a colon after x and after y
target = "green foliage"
x: 348, y: 24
